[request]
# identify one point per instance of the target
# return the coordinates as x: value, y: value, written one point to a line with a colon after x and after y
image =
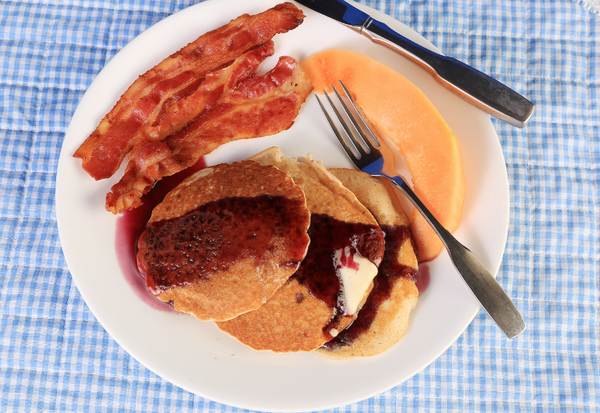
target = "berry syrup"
x: 130, y: 224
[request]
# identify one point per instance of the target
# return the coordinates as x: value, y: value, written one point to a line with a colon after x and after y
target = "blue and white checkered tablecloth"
x: 55, y: 356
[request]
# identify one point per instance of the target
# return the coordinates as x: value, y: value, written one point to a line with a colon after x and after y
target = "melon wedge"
x: 407, y: 117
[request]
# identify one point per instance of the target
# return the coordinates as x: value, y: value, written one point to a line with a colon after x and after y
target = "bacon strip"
x: 259, y: 106
x: 175, y: 78
x: 215, y: 85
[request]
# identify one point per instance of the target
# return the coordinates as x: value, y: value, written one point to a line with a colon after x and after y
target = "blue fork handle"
x: 483, y: 285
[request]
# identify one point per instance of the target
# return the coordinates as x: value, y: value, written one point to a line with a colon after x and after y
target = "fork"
x: 369, y: 152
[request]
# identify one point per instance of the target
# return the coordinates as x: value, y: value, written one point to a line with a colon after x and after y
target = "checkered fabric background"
x: 54, y: 356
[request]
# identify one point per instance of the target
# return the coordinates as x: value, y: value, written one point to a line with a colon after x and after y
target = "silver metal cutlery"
x: 474, y: 86
x: 370, y: 153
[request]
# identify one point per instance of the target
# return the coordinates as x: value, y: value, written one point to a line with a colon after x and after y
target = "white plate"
x: 195, y: 355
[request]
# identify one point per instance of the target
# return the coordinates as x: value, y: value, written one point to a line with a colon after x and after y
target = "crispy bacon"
x: 259, y: 106
x: 206, y: 96
x: 149, y: 98
x: 215, y: 85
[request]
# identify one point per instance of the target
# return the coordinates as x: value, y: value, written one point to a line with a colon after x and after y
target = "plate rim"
x: 60, y: 217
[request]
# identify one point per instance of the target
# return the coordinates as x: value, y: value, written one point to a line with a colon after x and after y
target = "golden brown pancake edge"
x: 245, y: 286
x: 392, y: 318
x: 293, y: 320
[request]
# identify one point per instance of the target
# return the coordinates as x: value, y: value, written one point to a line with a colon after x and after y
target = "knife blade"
x: 474, y: 86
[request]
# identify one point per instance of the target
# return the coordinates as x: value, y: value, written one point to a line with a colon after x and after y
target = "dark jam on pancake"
x: 318, y: 270
x: 183, y: 250
x: 389, y: 271
x: 131, y: 223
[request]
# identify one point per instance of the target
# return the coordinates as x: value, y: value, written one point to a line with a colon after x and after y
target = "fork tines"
x: 358, y: 139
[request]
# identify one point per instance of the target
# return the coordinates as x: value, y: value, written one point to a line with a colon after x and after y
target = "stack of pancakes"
x: 282, y: 254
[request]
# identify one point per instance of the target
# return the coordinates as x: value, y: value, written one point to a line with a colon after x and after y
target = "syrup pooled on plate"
x: 130, y: 225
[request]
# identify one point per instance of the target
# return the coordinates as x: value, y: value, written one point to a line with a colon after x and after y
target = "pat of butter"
x: 356, y: 274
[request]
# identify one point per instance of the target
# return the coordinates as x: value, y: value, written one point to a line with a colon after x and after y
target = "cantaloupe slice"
x: 407, y: 117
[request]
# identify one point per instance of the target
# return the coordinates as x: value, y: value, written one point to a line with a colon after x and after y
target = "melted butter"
x: 356, y: 274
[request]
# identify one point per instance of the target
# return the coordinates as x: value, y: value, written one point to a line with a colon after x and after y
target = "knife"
x: 474, y: 86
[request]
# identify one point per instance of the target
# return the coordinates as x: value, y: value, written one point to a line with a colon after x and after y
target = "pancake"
x: 225, y: 240
x: 319, y: 301
x: 384, y: 318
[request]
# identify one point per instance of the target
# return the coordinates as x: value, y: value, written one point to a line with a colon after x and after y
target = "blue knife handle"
x: 472, y: 85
